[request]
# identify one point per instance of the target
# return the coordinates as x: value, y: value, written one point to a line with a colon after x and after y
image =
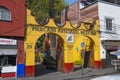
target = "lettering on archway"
x: 71, y: 48
x: 62, y: 30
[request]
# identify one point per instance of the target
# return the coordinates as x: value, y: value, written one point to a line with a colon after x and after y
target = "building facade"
x: 96, y: 35
x: 12, y: 29
x: 109, y: 27
x: 107, y: 12
x: 69, y: 49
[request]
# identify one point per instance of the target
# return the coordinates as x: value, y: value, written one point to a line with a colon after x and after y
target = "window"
x: 109, y: 24
x: 5, y: 14
x: 8, y: 60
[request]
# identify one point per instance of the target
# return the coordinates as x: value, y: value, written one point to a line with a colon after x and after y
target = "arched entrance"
x: 89, y: 53
x: 84, y: 54
x: 71, y: 39
x: 49, y: 54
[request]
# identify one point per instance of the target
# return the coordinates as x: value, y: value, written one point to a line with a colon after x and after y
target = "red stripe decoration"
x: 98, y: 64
x: 68, y: 67
x: 29, y: 71
x: 6, y: 75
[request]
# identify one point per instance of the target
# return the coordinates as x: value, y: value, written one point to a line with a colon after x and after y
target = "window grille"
x: 5, y: 14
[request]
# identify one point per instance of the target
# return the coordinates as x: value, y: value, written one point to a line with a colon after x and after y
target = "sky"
x: 71, y: 1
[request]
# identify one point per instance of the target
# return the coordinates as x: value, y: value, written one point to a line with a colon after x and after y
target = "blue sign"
x: 82, y: 44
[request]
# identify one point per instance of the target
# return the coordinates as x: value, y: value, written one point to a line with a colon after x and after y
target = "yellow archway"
x: 72, y: 38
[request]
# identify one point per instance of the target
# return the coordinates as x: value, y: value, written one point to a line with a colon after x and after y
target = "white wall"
x: 112, y: 11
x: 102, y: 52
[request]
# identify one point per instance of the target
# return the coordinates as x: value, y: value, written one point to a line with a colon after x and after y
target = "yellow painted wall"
x: 71, y: 50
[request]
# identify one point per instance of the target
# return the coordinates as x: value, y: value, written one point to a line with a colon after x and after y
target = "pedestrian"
x: 45, y: 57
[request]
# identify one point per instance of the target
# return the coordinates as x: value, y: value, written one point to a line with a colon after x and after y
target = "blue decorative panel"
x: 20, y: 70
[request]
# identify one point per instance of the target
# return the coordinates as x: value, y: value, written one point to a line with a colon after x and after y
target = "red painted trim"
x: 6, y: 75
x: 98, y: 64
x: 29, y: 71
x: 68, y: 67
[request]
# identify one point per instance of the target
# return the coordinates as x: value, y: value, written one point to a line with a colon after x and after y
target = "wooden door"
x: 91, y: 59
x: 60, y: 61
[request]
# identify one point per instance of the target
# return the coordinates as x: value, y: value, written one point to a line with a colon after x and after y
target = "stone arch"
x: 89, y: 52
x: 34, y: 31
x: 96, y: 49
x: 56, y: 52
x: 88, y: 47
x: 91, y: 47
x: 30, y: 49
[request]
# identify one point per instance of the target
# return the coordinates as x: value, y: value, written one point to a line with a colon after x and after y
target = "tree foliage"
x: 40, y: 9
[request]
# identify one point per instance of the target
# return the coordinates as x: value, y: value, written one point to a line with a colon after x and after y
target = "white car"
x: 109, y: 77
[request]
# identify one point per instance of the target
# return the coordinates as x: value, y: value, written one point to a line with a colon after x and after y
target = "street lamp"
x: 83, y: 54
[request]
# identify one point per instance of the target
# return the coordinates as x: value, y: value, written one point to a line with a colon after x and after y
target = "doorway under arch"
x: 89, y: 53
x: 49, y: 54
x: 87, y: 50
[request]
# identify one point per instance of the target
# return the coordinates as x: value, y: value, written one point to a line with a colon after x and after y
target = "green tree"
x: 40, y: 9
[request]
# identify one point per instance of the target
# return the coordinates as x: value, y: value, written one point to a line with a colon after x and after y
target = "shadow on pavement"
x: 40, y: 70
x: 77, y: 67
